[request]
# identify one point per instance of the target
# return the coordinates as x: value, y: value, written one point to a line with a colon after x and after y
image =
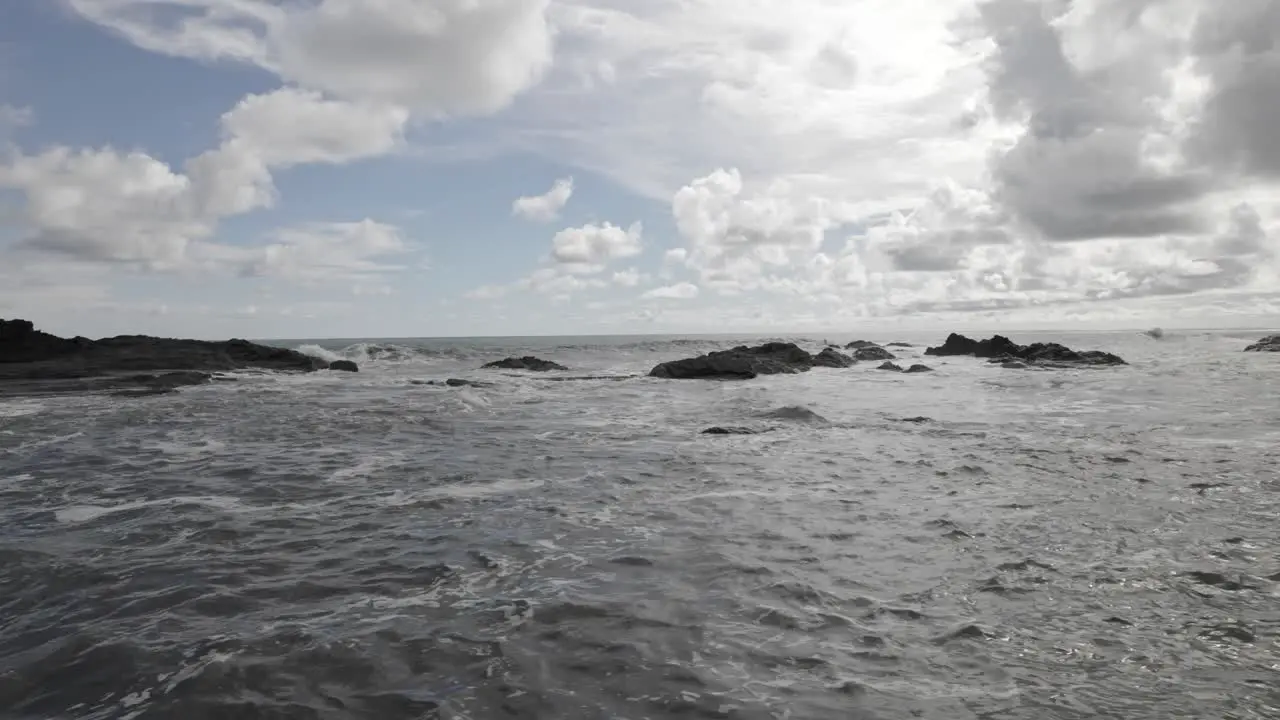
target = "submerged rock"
x: 899, y: 345
x: 32, y: 361
x: 1266, y: 344
x: 718, y: 430
x: 873, y: 352
x: 528, y: 362
x: 895, y: 367
x: 344, y: 366
x: 1003, y: 350
x: 740, y: 363
x: 796, y: 413
x: 832, y: 358
x: 859, y: 344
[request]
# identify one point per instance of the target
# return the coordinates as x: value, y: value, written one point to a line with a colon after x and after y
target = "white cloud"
x: 679, y: 291
x: 291, y: 126
x: 588, y: 249
x: 547, y: 206
x: 328, y: 251
x: 438, y: 58
x: 629, y: 278
x: 130, y: 209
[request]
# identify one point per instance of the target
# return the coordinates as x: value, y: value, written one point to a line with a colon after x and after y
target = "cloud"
x: 679, y: 291
x: 547, y: 206
x: 439, y: 58
x: 12, y: 116
x: 327, y: 251
x: 291, y: 126
x: 130, y: 209
x: 588, y: 249
x: 629, y: 278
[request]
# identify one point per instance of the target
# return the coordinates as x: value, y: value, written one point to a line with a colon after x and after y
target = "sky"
x: 398, y: 168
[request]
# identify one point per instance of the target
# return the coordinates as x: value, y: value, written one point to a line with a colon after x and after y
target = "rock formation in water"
x: 344, y: 366
x: 1003, y: 350
x: 740, y: 363
x: 528, y: 362
x: 859, y: 344
x: 895, y: 367
x: 832, y: 358
x: 35, y: 361
x: 718, y: 430
x: 872, y: 353
x: 1266, y: 344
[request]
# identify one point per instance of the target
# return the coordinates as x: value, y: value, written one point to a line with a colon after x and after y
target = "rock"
x: 918, y: 368
x: 873, y: 352
x: 832, y: 358
x: 717, y: 430
x: 32, y: 361
x: 1013, y: 365
x: 344, y: 366
x: 899, y: 345
x: 895, y: 367
x: 1266, y: 344
x: 1003, y: 350
x: 957, y: 344
x: 796, y: 413
x: 740, y: 363
x: 859, y: 344
x: 891, y: 366
x: 528, y: 362
x: 456, y: 382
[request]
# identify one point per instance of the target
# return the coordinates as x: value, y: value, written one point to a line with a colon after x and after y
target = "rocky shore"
x: 1000, y: 349
x: 36, y: 362
x: 1266, y: 344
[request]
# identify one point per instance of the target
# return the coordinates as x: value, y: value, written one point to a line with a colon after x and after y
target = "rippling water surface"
x: 1059, y: 544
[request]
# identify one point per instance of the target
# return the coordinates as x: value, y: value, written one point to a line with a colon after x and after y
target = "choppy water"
x: 1092, y: 544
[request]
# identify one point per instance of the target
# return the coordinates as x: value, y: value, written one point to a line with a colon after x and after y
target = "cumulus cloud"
x: 292, y: 126
x: 588, y: 249
x: 547, y: 206
x: 628, y: 278
x: 130, y: 209
x: 439, y: 58
x: 679, y: 291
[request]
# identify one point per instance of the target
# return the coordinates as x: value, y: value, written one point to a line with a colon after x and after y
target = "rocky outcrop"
x: 1003, y: 350
x: 740, y: 363
x: 528, y: 362
x: 1266, y: 344
x: 957, y: 344
x: 895, y: 367
x: 873, y: 352
x: 32, y: 361
x: 859, y: 344
x: 344, y: 366
x: 832, y: 358
x: 718, y: 430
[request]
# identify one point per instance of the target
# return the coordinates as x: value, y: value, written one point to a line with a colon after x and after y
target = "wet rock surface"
x: 740, y: 363
x: 1266, y: 344
x: 528, y: 362
x: 35, y: 362
x: 1001, y: 349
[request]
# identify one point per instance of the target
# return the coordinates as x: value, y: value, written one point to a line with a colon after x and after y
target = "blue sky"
x: 313, y: 168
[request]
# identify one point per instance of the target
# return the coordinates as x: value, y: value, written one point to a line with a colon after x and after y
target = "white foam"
x: 35, y: 444
x: 318, y: 352
x: 74, y: 514
x: 20, y: 409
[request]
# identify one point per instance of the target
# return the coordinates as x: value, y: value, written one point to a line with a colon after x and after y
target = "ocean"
x: 976, y: 542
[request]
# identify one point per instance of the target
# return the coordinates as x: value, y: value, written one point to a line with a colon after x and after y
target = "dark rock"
x: 1003, y: 350
x: 873, y: 352
x: 344, y: 366
x: 957, y: 344
x: 740, y: 363
x: 832, y: 358
x: 796, y: 413
x: 917, y: 420
x: 1014, y: 365
x: 891, y: 366
x: 899, y: 345
x: 918, y: 368
x: 730, y: 431
x: 36, y: 362
x: 455, y: 382
x: 859, y: 344
x: 528, y: 362
x: 895, y: 367
x: 1266, y: 344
